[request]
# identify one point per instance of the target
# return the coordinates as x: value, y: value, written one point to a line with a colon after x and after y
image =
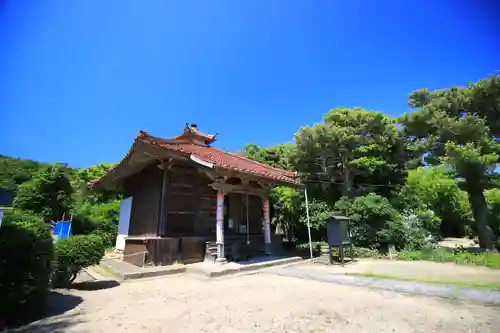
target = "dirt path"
x: 261, y: 303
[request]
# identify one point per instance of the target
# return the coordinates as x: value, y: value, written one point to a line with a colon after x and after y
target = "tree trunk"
x: 480, y: 213
x: 346, y: 178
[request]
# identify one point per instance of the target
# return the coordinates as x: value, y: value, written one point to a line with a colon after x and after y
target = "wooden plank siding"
x: 190, y: 202
x: 145, y: 187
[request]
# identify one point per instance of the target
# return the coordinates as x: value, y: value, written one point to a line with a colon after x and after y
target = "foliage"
x: 101, y: 219
x: 493, y: 200
x: 26, y: 254
x: 319, y: 211
x: 374, y: 222
x: 73, y: 254
x: 358, y: 252
x: 48, y: 194
x: 435, y: 188
x: 488, y: 259
x: 286, y: 204
x: 80, y: 179
x: 349, y: 146
x: 279, y: 156
x: 15, y: 171
x: 15, y: 215
x: 450, y: 125
x: 417, y: 229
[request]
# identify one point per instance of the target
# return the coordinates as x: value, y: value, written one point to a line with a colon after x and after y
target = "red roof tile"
x: 221, y: 158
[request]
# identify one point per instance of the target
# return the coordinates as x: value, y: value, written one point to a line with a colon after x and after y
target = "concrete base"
x: 125, y: 271
x: 221, y: 261
x: 211, y: 270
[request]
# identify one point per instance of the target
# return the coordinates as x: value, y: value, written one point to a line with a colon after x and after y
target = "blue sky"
x: 79, y: 79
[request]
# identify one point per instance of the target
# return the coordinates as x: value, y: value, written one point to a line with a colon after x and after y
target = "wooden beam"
x: 229, y: 188
x: 209, y: 173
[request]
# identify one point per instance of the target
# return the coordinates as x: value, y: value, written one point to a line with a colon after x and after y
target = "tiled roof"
x: 221, y: 158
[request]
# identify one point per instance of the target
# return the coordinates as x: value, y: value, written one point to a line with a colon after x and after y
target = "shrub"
x: 73, y: 254
x: 359, y: 252
x: 416, y: 236
x: 16, y: 215
x: 26, y: 253
x: 374, y: 222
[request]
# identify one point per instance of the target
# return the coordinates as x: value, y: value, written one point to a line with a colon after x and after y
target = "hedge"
x: 26, y: 253
x: 73, y: 254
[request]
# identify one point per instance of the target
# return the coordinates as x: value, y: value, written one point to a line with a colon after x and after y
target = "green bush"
x: 73, y: 254
x: 15, y: 215
x: 374, y: 222
x: 418, y: 226
x: 26, y: 252
x: 359, y: 252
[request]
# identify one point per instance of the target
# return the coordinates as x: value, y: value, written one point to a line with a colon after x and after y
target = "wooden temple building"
x: 185, y: 200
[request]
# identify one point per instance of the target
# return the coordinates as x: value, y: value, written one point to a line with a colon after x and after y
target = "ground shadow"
x: 49, y: 325
x: 57, y: 303
x: 95, y: 285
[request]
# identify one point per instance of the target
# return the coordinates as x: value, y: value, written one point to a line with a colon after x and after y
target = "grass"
x: 467, y: 284
x: 460, y: 256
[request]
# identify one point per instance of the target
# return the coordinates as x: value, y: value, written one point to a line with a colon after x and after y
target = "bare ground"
x: 261, y: 303
x: 409, y: 269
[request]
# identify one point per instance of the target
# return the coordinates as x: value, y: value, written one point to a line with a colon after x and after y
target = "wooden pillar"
x: 162, y: 225
x: 267, y: 225
x: 220, y: 227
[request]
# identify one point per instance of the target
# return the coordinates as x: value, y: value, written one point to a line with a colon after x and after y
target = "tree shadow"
x: 57, y: 303
x: 95, y: 285
x: 50, y: 325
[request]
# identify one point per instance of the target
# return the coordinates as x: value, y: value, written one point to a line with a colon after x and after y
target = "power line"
x: 340, y: 183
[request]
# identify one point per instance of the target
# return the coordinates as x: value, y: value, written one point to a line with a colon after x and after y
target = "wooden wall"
x: 190, y: 203
x: 145, y: 187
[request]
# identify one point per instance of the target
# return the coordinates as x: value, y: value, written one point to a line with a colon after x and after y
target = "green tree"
x: 279, y: 156
x: 452, y: 131
x: 286, y: 209
x: 47, y: 195
x: 15, y: 171
x: 80, y: 179
x: 352, y: 146
x: 436, y: 189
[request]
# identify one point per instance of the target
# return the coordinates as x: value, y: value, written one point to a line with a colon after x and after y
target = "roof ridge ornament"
x: 141, y: 134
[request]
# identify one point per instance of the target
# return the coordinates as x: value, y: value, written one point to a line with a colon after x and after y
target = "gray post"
x: 308, y: 224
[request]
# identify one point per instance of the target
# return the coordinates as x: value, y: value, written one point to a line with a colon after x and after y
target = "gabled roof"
x: 184, y: 145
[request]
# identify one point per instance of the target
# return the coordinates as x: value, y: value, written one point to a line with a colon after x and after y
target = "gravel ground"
x: 260, y: 303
